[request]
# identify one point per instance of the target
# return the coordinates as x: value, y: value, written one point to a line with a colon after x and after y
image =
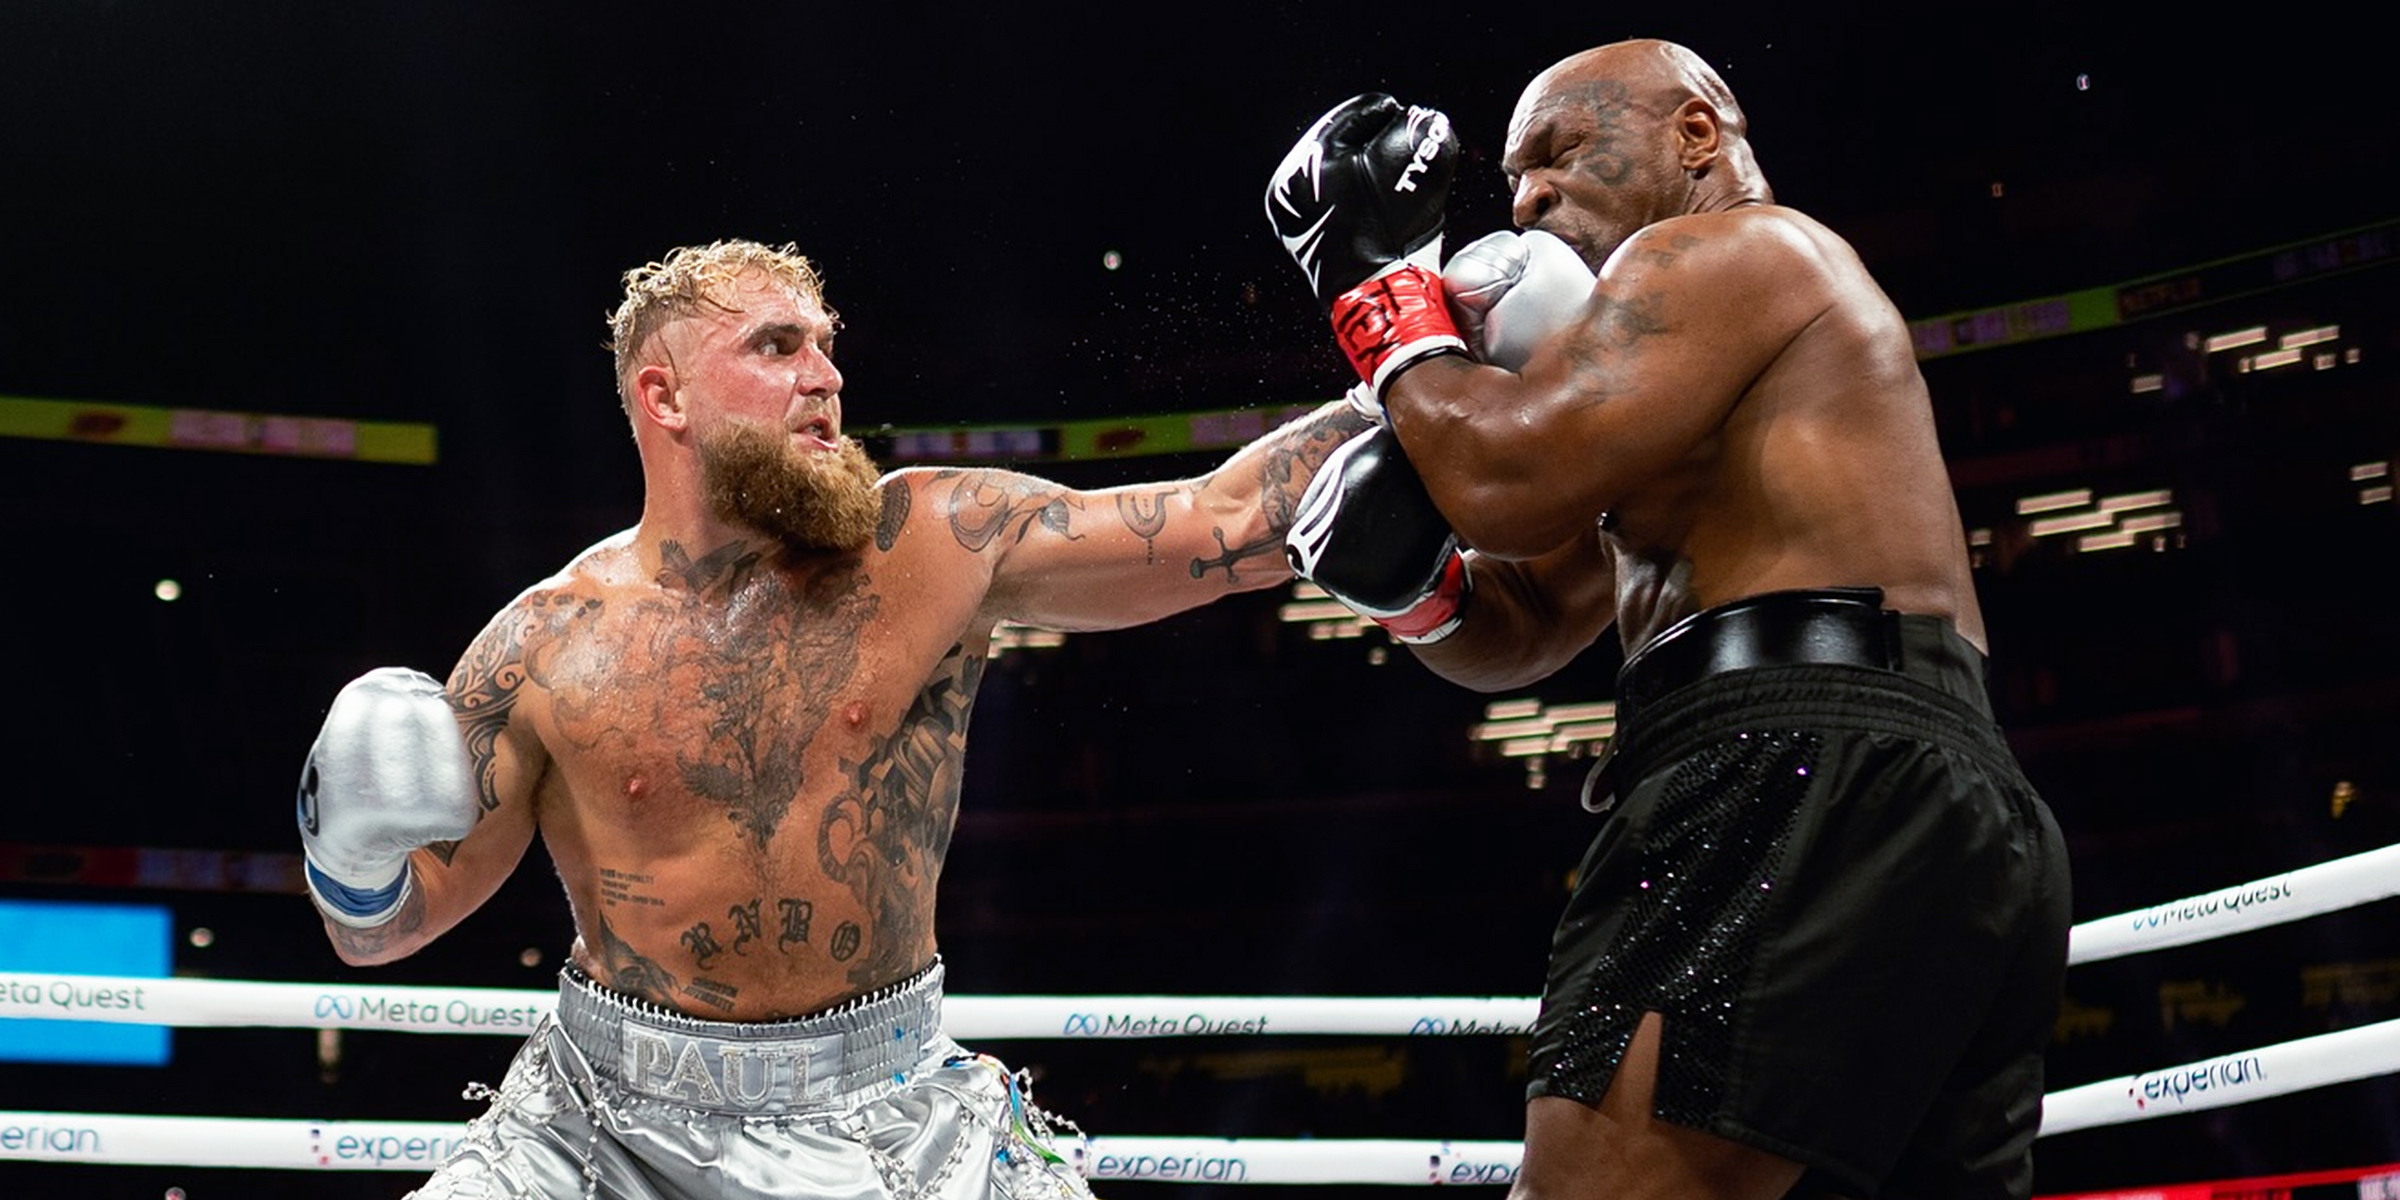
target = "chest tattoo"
x: 734, y: 679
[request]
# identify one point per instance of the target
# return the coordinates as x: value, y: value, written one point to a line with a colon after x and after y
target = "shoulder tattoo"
x: 483, y: 688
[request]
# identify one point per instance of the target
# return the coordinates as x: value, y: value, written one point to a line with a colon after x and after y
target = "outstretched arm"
x: 436, y: 780
x: 1085, y: 560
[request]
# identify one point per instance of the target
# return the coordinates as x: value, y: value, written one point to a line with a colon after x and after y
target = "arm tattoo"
x: 1665, y: 256
x: 1292, y: 459
x: 1612, y: 339
x: 986, y: 506
x: 374, y: 940
x: 1146, y: 516
x: 1287, y: 462
x: 483, y: 688
x: 1623, y: 323
x: 893, y: 515
x: 1229, y: 556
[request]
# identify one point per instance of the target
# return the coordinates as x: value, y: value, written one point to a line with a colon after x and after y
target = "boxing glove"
x: 1358, y: 204
x: 1369, y: 535
x: 1510, y: 292
x: 388, y: 773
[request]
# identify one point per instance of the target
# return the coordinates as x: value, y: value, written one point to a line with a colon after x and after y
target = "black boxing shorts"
x: 1828, y: 875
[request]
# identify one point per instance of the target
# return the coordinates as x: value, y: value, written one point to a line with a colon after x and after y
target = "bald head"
x: 1656, y: 76
x: 1624, y: 135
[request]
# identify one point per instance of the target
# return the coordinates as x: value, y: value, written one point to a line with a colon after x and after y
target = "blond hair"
x: 691, y: 278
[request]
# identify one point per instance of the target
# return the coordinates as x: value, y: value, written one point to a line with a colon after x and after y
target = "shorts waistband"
x: 827, y: 1061
x: 1826, y: 626
x: 1796, y: 654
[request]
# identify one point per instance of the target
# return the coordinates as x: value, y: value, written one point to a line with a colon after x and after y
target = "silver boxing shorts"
x: 612, y: 1097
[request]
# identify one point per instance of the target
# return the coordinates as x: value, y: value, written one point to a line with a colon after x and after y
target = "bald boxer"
x: 1817, y: 946
x: 738, y: 728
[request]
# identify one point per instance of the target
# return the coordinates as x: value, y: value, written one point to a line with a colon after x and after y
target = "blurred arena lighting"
x: 2236, y: 339
x: 1009, y: 635
x: 2050, y: 501
x: 2116, y: 522
x: 2374, y: 480
x: 1533, y: 731
x: 1324, y: 617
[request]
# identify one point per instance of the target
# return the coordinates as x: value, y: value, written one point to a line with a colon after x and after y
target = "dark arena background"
x: 302, y: 371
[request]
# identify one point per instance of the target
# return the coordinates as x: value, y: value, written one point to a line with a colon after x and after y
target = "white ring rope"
x: 233, y: 1002
x: 422, y: 1145
x: 2310, y: 891
x: 2237, y: 1078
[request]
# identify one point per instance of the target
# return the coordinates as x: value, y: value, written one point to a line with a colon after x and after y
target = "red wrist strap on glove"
x: 1437, y: 616
x: 1393, y: 320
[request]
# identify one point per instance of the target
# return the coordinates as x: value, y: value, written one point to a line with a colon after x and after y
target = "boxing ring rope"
x: 2238, y: 1078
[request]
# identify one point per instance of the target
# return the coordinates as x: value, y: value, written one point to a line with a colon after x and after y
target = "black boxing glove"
x: 1369, y: 535
x: 1358, y: 203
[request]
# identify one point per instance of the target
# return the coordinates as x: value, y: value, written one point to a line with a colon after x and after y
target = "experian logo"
x: 50, y: 1139
x: 2181, y: 1083
x: 1171, y: 1166
x: 401, y: 1151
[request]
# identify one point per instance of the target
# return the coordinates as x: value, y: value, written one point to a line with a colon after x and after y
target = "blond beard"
x: 810, y: 500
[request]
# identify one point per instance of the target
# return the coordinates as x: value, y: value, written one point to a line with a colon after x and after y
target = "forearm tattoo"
x: 1145, y: 513
x: 1291, y: 459
x: 1287, y: 460
x: 1229, y: 557
x: 375, y: 940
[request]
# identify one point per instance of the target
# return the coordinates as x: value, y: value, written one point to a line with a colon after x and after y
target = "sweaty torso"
x: 752, y: 767
x: 1825, y: 472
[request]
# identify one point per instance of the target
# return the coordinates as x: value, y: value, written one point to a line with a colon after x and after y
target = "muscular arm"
x: 1682, y: 319
x: 1082, y: 560
x: 1526, y: 619
x: 453, y: 879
